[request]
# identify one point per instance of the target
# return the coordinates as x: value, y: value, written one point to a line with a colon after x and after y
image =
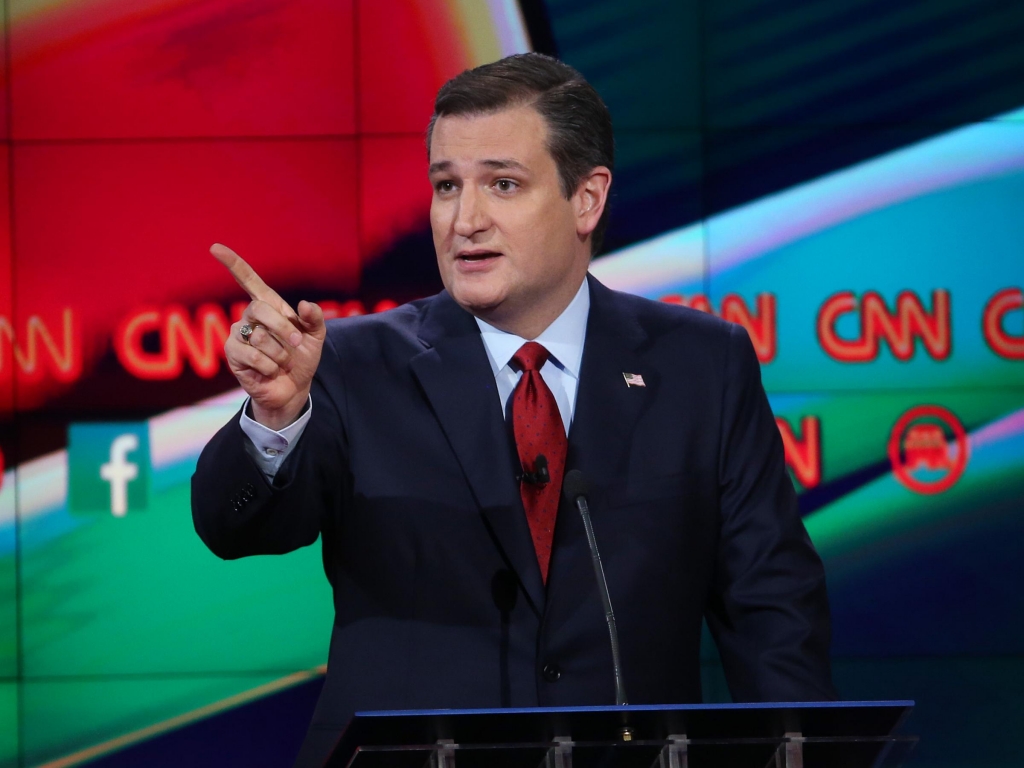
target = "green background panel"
x: 8, y: 724
x: 912, y: 574
x: 64, y: 716
x: 877, y: 519
x: 142, y: 594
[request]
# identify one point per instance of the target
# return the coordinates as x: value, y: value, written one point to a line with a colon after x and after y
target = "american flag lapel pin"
x: 633, y: 379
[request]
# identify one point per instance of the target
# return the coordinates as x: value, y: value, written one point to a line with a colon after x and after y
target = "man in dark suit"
x: 426, y: 446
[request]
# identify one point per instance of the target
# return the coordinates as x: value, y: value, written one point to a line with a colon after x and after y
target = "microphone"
x: 540, y: 475
x: 575, y: 489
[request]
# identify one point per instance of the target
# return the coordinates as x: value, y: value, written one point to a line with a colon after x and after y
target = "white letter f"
x: 118, y: 472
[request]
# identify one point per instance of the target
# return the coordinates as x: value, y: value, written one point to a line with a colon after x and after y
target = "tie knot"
x: 530, y: 357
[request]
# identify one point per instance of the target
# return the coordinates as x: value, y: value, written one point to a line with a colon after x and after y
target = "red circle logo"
x: 931, y: 437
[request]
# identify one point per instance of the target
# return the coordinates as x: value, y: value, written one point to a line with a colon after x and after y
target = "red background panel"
x: 3, y: 73
x: 147, y: 68
x: 395, y: 191
x: 407, y: 50
x: 107, y: 228
x: 7, y: 356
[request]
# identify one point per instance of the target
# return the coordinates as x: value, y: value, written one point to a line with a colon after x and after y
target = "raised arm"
x: 236, y: 509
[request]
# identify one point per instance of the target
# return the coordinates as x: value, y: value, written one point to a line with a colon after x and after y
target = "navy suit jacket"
x: 407, y: 473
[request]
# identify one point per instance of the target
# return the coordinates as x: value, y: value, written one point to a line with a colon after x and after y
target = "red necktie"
x: 539, y: 431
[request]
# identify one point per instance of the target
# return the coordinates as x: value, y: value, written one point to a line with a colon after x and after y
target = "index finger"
x: 246, y: 276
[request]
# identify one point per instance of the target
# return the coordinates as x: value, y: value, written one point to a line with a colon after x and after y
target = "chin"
x: 478, y: 302
x: 479, y: 306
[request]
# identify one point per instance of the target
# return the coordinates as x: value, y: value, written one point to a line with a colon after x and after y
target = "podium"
x: 787, y: 735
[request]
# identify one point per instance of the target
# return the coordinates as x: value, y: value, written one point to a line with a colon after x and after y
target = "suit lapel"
x: 457, y: 380
x: 600, y: 440
x: 607, y: 409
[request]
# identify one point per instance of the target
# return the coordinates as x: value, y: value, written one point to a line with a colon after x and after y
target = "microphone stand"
x: 575, y: 488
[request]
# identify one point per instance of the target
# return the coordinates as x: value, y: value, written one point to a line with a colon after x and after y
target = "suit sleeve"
x: 237, y: 511
x: 768, y: 610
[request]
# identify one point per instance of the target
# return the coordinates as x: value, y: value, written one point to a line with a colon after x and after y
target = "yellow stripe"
x: 156, y: 729
x: 477, y: 27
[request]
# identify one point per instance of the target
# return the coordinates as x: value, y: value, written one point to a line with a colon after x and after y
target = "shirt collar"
x: 563, y: 338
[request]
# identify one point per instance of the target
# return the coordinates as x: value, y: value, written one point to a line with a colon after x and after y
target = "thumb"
x: 312, y: 318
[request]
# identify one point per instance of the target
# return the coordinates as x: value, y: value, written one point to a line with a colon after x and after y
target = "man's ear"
x: 590, y: 199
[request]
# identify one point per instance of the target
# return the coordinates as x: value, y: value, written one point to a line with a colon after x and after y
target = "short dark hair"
x: 579, y: 124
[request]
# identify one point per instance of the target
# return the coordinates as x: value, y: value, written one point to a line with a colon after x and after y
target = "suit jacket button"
x: 551, y: 672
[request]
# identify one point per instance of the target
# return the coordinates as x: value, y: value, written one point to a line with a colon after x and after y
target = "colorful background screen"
x: 846, y: 180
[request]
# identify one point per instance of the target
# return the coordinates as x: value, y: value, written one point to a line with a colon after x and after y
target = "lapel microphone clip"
x: 540, y: 475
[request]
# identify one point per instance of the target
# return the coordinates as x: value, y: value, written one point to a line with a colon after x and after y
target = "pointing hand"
x: 276, y: 365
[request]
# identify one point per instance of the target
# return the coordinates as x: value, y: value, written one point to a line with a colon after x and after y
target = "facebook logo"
x: 108, y: 468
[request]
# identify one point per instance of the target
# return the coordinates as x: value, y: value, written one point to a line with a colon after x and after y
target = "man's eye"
x: 505, y: 185
x: 444, y: 186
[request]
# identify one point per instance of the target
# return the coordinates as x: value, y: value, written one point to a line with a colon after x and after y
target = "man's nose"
x: 471, y: 216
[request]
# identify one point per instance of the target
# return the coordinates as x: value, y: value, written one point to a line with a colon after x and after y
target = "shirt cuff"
x: 267, y: 447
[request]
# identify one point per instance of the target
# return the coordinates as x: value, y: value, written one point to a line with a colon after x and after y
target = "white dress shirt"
x: 563, y: 339
x: 269, y: 448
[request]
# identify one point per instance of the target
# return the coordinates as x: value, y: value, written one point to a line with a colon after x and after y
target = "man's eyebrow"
x: 498, y: 165
x: 504, y: 165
